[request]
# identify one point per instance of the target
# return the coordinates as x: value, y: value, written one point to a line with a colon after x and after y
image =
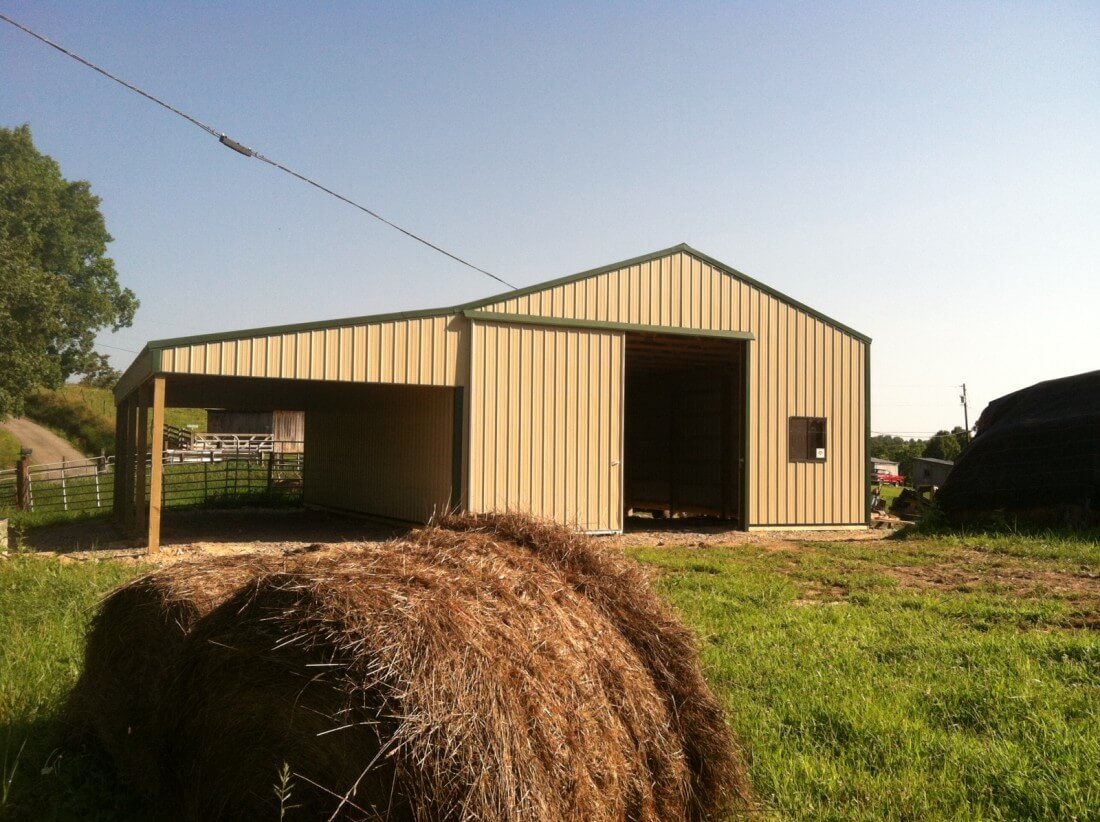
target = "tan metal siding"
x: 530, y: 381
x: 800, y: 366
x: 423, y: 351
x: 388, y: 454
x: 546, y: 423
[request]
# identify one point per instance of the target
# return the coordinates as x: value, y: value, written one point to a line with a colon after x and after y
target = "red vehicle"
x: 890, y: 479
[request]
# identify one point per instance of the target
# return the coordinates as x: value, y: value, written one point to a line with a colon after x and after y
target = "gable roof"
x: 507, y: 295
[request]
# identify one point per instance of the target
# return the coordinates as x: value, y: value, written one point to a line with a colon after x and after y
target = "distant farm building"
x: 929, y: 471
x: 668, y: 383
x: 1036, y: 452
x: 285, y: 427
x: 880, y: 466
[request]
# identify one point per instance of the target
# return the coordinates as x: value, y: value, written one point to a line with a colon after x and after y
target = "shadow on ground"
x: 181, y: 529
x: 55, y: 776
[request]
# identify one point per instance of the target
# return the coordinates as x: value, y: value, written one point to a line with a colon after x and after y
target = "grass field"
x: 923, y: 678
x: 938, y: 676
x: 86, y: 416
x: 9, y: 449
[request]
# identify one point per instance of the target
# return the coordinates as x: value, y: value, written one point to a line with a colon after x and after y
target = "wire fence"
x: 191, y: 478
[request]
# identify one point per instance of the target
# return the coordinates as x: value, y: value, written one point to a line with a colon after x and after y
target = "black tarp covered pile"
x: 1036, y: 449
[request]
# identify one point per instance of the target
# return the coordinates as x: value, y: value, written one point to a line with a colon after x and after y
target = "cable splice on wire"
x: 240, y: 148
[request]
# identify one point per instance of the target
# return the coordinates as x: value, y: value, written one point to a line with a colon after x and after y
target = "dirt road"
x: 46, y: 446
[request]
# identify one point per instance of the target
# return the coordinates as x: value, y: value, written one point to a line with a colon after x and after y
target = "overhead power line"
x: 116, y: 348
x: 246, y: 151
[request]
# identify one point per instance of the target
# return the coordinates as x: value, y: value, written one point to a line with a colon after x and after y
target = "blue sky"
x: 927, y: 173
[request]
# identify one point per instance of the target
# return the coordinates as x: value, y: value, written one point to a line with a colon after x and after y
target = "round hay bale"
x: 132, y: 652
x: 620, y: 590
x: 490, y: 668
x: 133, y: 646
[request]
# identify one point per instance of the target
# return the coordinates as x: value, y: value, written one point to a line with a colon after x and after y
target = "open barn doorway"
x: 684, y: 427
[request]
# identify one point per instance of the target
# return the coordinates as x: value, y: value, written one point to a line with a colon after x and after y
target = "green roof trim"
x: 583, y: 275
x: 145, y: 364
x: 779, y: 295
x: 496, y: 298
x: 317, y: 325
x: 603, y: 325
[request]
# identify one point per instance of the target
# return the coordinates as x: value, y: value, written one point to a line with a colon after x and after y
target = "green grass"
x: 864, y: 696
x: 9, y: 449
x: 927, y: 677
x: 44, y: 610
x: 890, y: 492
x: 86, y: 416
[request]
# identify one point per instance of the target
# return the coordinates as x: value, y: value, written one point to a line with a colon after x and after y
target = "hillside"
x: 9, y: 449
x: 86, y: 416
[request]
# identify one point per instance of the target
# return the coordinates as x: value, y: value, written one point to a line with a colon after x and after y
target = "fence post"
x: 97, y: 467
x: 64, y: 494
x: 23, y: 481
x: 270, y: 472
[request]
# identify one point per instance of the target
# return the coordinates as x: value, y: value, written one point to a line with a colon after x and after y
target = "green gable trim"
x: 572, y: 278
x: 601, y: 325
x: 656, y: 255
x: 371, y: 319
x: 779, y: 295
x: 145, y: 364
x: 318, y: 325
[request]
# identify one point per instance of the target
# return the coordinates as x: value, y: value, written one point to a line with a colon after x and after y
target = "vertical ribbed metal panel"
x: 546, y: 423
x: 424, y: 351
x: 387, y: 453
x: 800, y: 366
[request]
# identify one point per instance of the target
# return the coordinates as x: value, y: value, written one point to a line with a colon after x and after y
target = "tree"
x: 101, y: 374
x: 944, y: 445
x: 57, y: 286
x: 896, y: 449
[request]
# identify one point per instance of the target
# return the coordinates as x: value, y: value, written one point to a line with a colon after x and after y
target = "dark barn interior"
x: 684, y: 426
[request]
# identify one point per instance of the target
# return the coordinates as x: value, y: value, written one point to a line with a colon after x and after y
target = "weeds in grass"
x: 1080, y: 545
x: 998, y: 526
x: 24, y: 521
x: 283, y: 790
x: 8, y: 774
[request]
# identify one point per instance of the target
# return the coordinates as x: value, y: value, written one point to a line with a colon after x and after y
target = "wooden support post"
x: 156, y: 477
x: 142, y: 450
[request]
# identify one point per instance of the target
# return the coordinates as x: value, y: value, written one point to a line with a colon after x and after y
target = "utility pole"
x: 966, y: 412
